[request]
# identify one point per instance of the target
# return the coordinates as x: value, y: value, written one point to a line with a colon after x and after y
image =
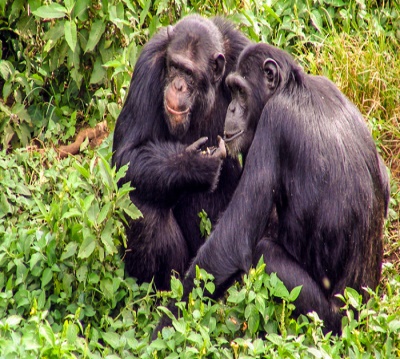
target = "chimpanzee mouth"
x: 175, y: 112
x: 228, y: 137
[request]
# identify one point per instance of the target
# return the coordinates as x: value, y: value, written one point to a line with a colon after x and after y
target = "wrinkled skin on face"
x: 250, y: 91
x: 194, y: 64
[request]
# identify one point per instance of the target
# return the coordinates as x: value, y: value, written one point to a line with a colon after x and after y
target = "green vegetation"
x: 66, y: 65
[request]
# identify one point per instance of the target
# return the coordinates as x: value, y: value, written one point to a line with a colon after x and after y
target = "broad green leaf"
x: 113, y: 339
x: 106, y: 237
x: 6, y: 69
x: 52, y: 11
x: 82, y: 170
x: 105, y: 210
x: 47, y: 333
x: 69, y: 250
x: 316, y: 19
x: 73, y: 212
x: 253, y: 317
x: 87, y: 202
x: 81, y: 9
x: 132, y: 211
x: 96, y: 32
x: 179, y: 325
x: 105, y: 173
x: 47, y: 276
x: 5, y: 207
x: 22, y: 190
x: 394, y: 326
x: 106, y: 286
x: 69, y: 4
x: 13, y: 320
x: 70, y: 34
x: 144, y: 12
x: 99, y: 72
x: 237, y: 297
x: 72, y: 333
x: 114, y: 109
x: 53, y: 35
x: 81, y: 273
x: 295, y: 293
x: 87, y: 247
x: 35, y: 258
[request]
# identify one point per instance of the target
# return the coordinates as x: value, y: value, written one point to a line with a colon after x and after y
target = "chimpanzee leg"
x: 290, y: 272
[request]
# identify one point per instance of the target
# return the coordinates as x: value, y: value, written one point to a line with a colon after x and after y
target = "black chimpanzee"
x: 309, y: 155
x: 176, y: 104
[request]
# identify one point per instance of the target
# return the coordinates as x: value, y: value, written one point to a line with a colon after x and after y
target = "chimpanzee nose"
x: 179, y: 84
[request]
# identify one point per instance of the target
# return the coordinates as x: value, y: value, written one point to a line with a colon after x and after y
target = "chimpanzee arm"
x: 161, y: 171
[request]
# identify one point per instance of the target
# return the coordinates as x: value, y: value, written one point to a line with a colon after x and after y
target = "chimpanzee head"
x: 195, y: 65
x: 262, y: 72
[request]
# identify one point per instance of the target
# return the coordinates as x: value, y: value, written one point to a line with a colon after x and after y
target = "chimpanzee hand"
x: 220, y: 151
x: 196, y: 146
x: 215, y: 152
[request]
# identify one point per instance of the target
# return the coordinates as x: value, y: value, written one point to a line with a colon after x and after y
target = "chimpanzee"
x: 308, y: 155
x: 175, y: 107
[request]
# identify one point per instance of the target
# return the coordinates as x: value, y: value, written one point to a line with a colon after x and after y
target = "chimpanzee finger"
x: 195, y: 146
x: 220, y: 151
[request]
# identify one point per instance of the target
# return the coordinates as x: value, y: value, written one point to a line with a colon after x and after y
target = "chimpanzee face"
x: 250, y: 92
x: 194, y: 67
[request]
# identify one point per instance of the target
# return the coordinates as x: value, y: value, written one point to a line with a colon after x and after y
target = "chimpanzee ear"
x: 170, y: 31
x: 272, y: 74
x: 218, y: 66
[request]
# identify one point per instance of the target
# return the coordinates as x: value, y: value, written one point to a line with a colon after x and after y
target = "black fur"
x: 312, y: 158
x: 172, y: 183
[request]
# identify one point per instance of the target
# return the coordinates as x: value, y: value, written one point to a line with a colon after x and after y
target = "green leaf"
x: 5, y: 207
x: 69, y: 251
x: 98, y: 73
x: 6, y: 69
x: 47, y: 333
x: 87, y: 247
x: 73, y: 212
x: 47, y: 276
x: 96, y: 32
x: 237, y: 297
x: 105, y: 210
x: 81, y: 10
x: 106, y: 286
x: 113, y: 339
x: 253, y: 317
x: 70, y: 34
x: 144, y: 12
x: 52, y: 11
x: 82, y: 170
x: 316, y: 20
x: 133, y: 212
x: 81, y: 273
x: 179, y: 325
x: 295, y: 293
x: 35, y: 258
x: 106, y: 237
x: 13, y: 321
x: 69, y: 4
x: 72, y: 333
